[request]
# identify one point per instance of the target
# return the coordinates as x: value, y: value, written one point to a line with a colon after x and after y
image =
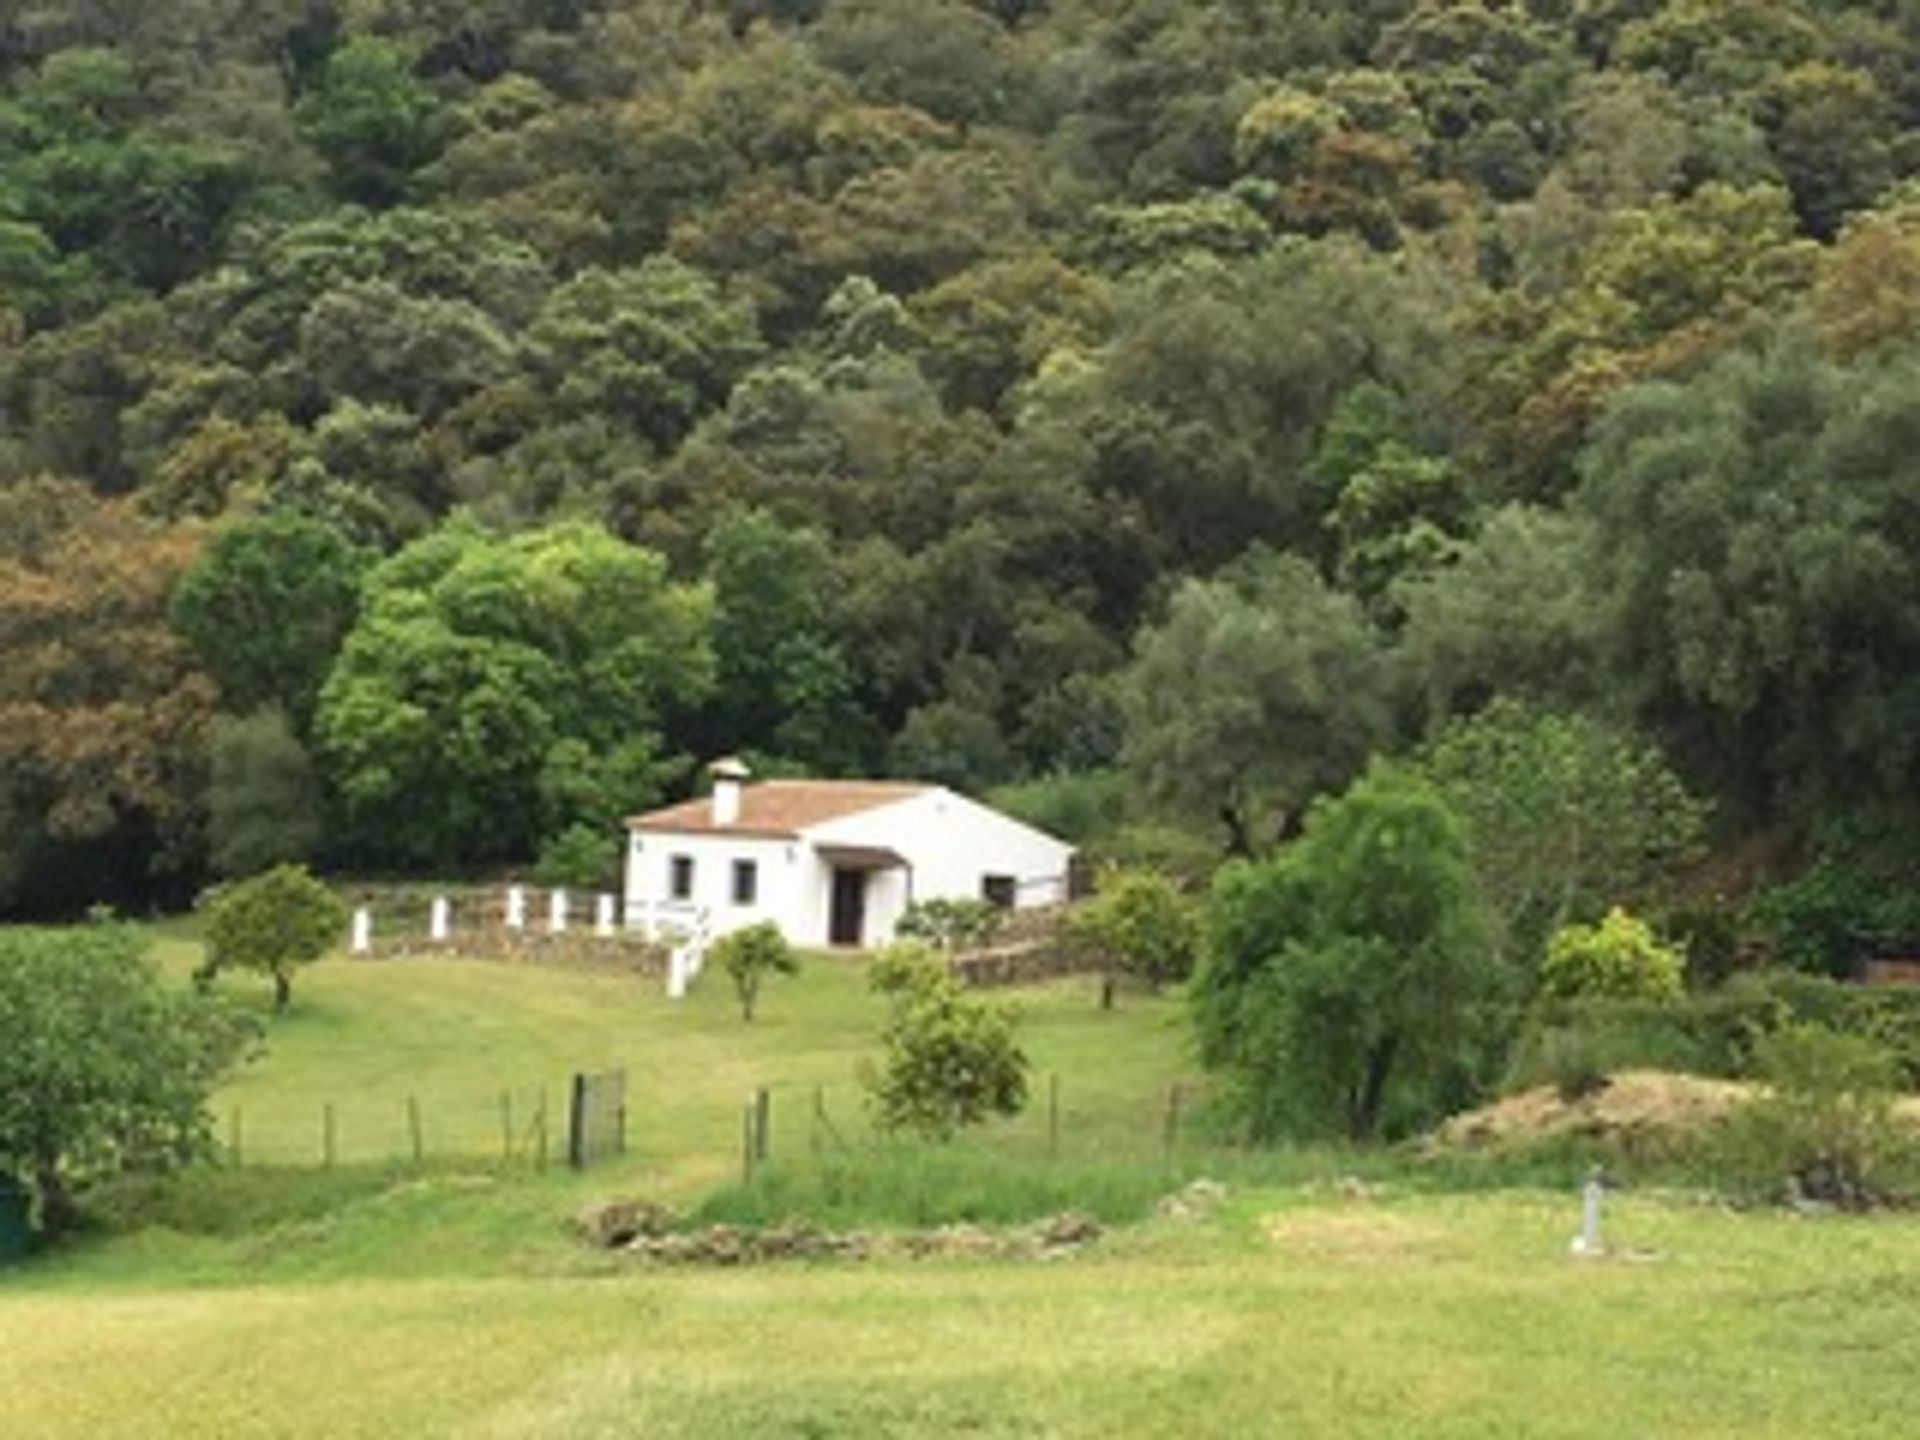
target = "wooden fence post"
x: 762, y: 1123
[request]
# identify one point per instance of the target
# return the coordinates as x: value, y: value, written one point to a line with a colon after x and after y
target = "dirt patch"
x: 1358, y: 1235
x: 1635, y: 1108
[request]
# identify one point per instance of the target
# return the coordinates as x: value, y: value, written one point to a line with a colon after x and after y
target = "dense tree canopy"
x: 518, y: 399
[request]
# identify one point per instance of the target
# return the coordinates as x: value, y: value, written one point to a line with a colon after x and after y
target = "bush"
x: 272, y: 923
x: 1137, y: 924
x: 103, y: 1069
x: 948, y: 1060
x: 1079, y: 808
x: 1825, y: 1127
x: 1618, y: 959
x: 950, y: 924
x: 580, y: 857
x: 1864, y: 888
x: 748, y: 956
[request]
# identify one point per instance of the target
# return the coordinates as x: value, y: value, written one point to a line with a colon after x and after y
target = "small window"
x: 680, y: 883
x: 998, y: 890
x: 746, y: 882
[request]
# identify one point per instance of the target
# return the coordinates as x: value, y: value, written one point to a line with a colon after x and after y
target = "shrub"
x: 103, y: 1068
x: 1618, y: 959
x: 1137, y: 924
x: 1825, y: 1126
x: 273, y: 923
x: 948, y: 1060
x: 748, y: 956
x: 950, y: 924
x: 580, y: 857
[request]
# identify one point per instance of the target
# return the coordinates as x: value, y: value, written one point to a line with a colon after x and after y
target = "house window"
x: 746, y: 882
x: 680, y: 877
x: 998, y: 890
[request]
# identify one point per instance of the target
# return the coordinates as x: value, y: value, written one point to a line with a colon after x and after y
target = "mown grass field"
x: 381, y: 1300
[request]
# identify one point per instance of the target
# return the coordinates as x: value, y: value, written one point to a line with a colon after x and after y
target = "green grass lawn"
x: 382, y: 1299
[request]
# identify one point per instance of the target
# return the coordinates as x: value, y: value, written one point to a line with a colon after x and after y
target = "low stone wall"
x: 1025, y: 963
x: 628, y: 953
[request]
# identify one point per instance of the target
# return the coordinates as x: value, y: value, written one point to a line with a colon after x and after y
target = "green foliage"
x: 1824, y: 1126
x: 263, y: 799
x: 1348, y: 985
x: 1077, y: 806
x: 1137, y: 923
x: 1620, y: 958
x: 105, y: 1069
x: 949, y: 925
x: 1857, y: 896
x: 947, y: 1061
x: 273, y: 923
x: 580, y: 857
x: 266, y: 607
x: 373, y: 119
x: 487, y: 677
x: 1564, y: 814
x: 749, y: 956
x: 1261, y: 689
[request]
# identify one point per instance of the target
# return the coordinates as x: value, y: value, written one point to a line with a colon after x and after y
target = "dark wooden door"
x: 847, y: 921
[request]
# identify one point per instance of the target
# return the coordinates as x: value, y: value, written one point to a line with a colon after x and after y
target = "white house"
x: 831, y: 862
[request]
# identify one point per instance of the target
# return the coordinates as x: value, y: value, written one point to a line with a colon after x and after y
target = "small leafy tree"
x: 1618, y: 959
x: 584, y: 857
x: 749, y: 956
x: 1138, y: 924
x: 949, y: 924
x: 948, y: 1060
x: 273, y: 923
x: 103, y: 1068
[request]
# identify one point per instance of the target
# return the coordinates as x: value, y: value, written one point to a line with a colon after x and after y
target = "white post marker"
x: 441, y: 920
x: 362, y: 930
x: 516, y: 908
x: 557, y: 911
x: 1587, y: 1242
x: 603, y: 916
x: 677, y: 973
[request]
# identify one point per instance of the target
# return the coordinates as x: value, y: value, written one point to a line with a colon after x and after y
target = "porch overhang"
x: 861, y: 857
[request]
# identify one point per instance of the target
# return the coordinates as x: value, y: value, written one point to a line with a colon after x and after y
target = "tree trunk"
x: 58, y: 1213
x: 1106, y: 992
x: 1365, y: 1116
x: 282, y: 991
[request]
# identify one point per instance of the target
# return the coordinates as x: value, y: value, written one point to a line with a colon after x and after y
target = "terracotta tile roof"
x: 783, y: 807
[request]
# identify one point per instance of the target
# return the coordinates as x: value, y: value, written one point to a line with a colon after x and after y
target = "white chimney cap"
x: 732, y: 767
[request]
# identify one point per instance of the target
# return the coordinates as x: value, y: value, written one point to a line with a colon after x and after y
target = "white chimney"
x: 729, y: 779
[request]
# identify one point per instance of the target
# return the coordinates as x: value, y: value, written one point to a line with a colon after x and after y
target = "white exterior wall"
x: 649, y: 889
x: 951, y: 844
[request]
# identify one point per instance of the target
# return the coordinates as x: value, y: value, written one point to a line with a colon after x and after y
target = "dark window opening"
x: 998, y: 890
x: 680, y: 885
x: 746, y: 882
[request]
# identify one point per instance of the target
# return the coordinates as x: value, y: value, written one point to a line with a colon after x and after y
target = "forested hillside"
x: 429, y: 427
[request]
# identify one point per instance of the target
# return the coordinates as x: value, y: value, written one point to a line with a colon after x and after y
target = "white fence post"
x: 362, y: 931
x: 441, y: 921
x: 603, y: 916
x: 557, y: 911
x: 516, y: 908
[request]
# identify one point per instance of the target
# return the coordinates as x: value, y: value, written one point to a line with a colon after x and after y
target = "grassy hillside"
x: 383, y: 1299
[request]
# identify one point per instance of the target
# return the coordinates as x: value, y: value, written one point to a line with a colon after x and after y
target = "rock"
x: 1197, y: 1201
x: 611, y: 1224
x: 1068, y: 1231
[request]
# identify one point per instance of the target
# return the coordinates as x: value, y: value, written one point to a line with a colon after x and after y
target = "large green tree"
x: 1349, y: 986
x: 483, y: 666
